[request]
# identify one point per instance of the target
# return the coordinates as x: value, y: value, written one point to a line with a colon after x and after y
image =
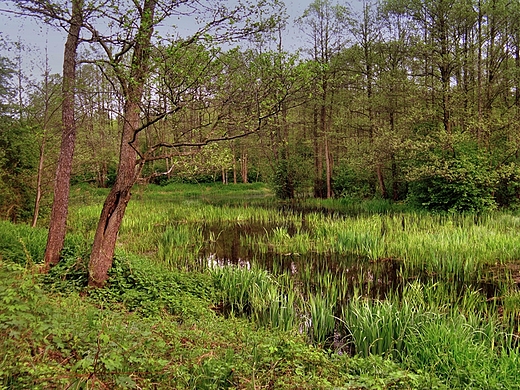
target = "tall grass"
x: 256, y: 293
x: 379, y: 327
x: 178, y: 246
x: 321, y: 321
x: 330, y: 259
x: 21, y: 243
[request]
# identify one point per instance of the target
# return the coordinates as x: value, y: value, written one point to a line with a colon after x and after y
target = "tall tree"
x: 43, y: 111
x: 138, y: 41
x: 119, y: 196
x: 58, y: 225
x: 71, y: 20
x: 324, y: 23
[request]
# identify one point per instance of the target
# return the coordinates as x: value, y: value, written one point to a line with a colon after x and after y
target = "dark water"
x: 352, y: 273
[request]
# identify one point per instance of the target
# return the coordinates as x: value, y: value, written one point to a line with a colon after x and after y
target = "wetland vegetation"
x: 382, y: 252
x: 219, y: 286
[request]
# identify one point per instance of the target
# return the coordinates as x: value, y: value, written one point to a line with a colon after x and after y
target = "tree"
x: 98, y: 105
x: 138, y: 41
x: 324, y: 24
x: 16, y: 156
x: 72, y: 21
x: 58, y: 225
x: 43, y: 109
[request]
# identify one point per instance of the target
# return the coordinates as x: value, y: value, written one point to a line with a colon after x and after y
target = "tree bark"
x: 38, y: 197
x: 128, y: 170
x: 328, y: 168
x: 234, y: 165
x: 58, y: 224
x: 243, y: 162
x: 381, y: 180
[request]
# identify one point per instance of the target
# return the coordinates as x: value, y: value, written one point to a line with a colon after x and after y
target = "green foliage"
x: 349, y: 183
x: 507, y: 193
x: 292, y: 175
x: 18, y: 152
x: 150, y: 290
x: 155, y: 324
x: 63, y: 341
x: 18, y: 159
x: 71, y: 273
x: 457, y: 178
x: 284, y: 180
x: 378, y: 373
x: 22, y: 244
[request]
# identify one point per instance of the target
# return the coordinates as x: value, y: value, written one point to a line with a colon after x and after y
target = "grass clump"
x: 22, y: 244
x: 68, y: 341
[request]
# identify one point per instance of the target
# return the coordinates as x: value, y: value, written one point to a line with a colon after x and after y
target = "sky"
x: 39, y: 39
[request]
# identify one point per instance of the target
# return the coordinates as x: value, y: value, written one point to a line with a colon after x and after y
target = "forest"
x: 340, y: 215
x: 414, y: 101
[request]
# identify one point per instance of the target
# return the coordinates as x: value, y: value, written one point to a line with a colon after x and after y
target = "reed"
x: 179, y: 245
x: 321, y: 320
x: 379, y: 327
x: 457, y: 352
x: 240, y: 288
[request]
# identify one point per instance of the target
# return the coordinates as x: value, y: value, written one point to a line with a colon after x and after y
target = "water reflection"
x: 352, y: 274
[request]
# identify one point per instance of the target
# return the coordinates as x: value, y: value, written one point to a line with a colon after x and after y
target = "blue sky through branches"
x: 38, y: 39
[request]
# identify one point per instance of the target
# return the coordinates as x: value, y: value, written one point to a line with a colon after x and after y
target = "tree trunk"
x: 234, y: 165
x: 381, y: 180
x: 115, y: 205
x: 128, y: 171
x: 395, y: 180
x: 328, y: 168
x: 243, y: 163
x: 318, y: 162
x: 58, y: 224
x: 39, y: 175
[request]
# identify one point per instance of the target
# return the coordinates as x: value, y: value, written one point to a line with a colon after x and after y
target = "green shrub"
x: 507, y: 193
x: 458, y: 180
x: 347, y: 183
x: 22, y: 244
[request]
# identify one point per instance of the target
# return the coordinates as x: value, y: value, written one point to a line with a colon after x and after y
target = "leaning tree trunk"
x: 58, y: 224
x: 115, y: 205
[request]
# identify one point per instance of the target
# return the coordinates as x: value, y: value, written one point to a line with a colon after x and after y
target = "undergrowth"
x: 112, y: 339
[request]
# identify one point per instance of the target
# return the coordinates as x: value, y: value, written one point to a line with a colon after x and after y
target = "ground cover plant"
x: 249, y: 293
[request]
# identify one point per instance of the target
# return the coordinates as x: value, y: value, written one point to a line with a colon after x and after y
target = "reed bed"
x: 379, y: 327
x: 384, y: 281
x: 179, y: 245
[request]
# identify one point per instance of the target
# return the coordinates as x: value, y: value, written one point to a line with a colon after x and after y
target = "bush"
x: 457, y: 179
x: 441, y: 193
x: 150, y: 290
x: 284, y: 180
x: 507, y: 193
x: 350, y: 184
